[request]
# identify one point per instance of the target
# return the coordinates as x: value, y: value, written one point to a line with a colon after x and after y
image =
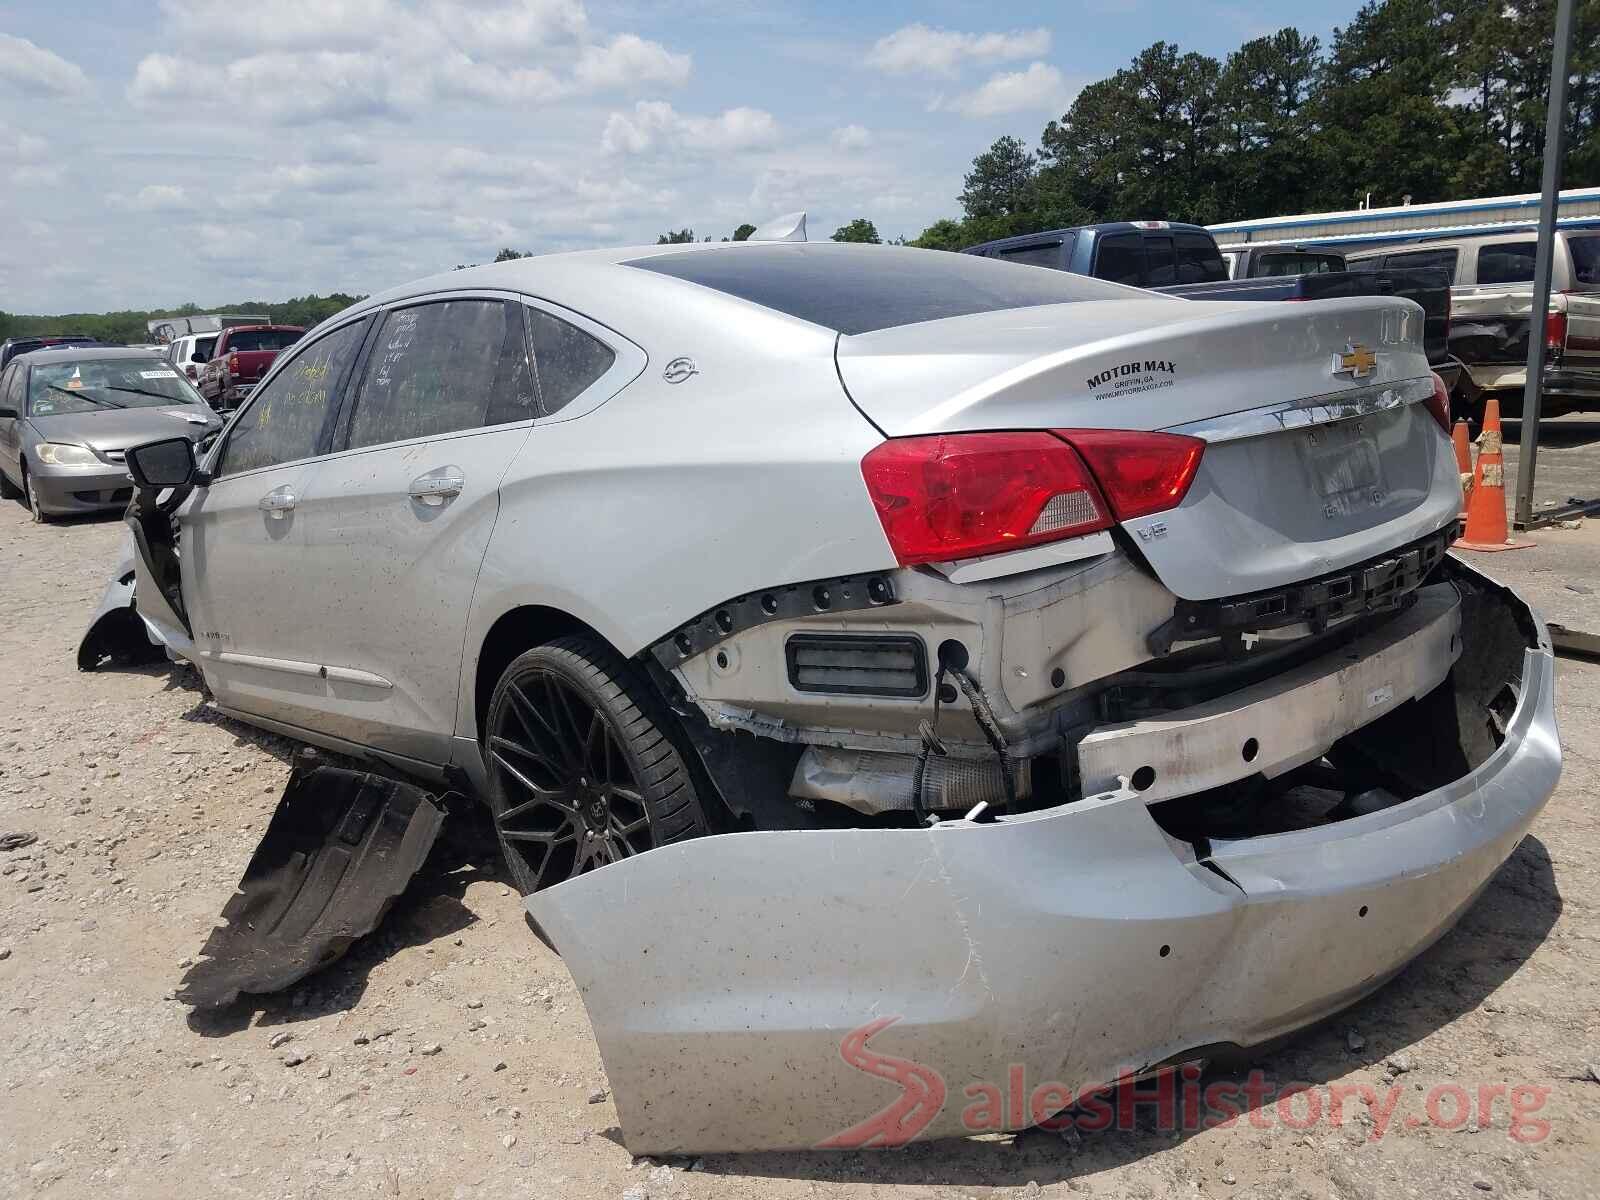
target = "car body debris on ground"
x: 148, y: 805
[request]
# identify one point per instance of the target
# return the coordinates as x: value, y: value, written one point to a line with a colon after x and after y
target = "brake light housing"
x: 233, y: 364
x: 942, y: 497
x: 948, y: 496
x: 1139, y: 473
x: 1439, y: 403
x: 1555, y: 334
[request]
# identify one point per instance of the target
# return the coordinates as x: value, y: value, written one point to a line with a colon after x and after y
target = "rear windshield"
x: 1274, y: 265
x: 262, y: 339
x: 1424, y: 258
x: 855, y: 289
x: 1506, y: 262
x: 1585, y: 260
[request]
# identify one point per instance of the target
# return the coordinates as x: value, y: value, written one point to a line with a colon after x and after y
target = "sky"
x: 156, y: 153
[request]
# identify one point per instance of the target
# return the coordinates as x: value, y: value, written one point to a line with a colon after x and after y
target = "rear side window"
x: 1199, y: 261
x: 440, y: 368
x: 1585, y: 260
x: 285, y: 417
x: 857, y: 289
x: 1121, y: 259
x: 259, y: 339
x: 566, y: 359
x: 1047, y: 255
x: 1277, y: 265
x: 1506, y: 262
x: 1424, y: 258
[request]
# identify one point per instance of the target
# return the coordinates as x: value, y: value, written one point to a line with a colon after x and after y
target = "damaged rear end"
x: 734, y: 982
x: 1172, y: 725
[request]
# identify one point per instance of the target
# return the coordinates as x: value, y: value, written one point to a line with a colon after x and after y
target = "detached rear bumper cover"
x: 734, y: 982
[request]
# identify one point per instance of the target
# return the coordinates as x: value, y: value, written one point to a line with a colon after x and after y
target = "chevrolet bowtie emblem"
x: 1357, y: 361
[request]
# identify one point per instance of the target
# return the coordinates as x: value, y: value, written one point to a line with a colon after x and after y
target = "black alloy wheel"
x: 582, y: 772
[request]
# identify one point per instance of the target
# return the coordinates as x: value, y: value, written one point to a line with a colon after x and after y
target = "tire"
x: 31, y: 499
x: 8, y: 490
x: 582, y: 763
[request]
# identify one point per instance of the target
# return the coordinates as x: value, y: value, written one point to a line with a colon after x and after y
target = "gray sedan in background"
x: 68, y: 415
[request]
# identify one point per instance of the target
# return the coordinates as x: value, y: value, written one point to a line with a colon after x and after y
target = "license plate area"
x: 1343, y: 461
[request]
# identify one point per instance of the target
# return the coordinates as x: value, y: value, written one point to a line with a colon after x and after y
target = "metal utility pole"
x: 1555, y: 128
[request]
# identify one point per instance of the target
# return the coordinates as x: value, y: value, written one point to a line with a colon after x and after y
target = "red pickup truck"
x: 239, y: 360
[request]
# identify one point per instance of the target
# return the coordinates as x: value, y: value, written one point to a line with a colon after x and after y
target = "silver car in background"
x: 67, y: 417
x: 1016, y: 671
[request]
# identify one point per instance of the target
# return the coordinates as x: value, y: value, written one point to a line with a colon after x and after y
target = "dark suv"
x: 1147, y: 254
x: 12, y: 347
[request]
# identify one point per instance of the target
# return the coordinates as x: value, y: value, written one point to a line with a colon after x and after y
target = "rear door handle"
x: 436, y: 487
x: 278, y: 502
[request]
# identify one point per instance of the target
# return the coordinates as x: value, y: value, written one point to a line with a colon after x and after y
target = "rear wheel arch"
x: 513, y: 633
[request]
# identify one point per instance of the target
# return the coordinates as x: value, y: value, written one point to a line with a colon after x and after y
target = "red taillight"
x: 949, y: 496
x: 1555, y: 333
x: 189, y: 370
x: 233, y: 363
x: 1439, y: 402
x: 1139, y: 473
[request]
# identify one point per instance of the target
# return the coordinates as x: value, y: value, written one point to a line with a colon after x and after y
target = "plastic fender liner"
x: 117, y: 631
x: 339, y: 850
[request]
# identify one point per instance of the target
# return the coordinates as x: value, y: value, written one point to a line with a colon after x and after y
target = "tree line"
x: 128, y: 326
x: 1423, y: 99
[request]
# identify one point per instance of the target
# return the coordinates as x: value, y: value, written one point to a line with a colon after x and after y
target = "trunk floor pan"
x: 339, y: 850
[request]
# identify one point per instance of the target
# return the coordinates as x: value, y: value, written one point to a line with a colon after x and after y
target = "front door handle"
x: 278, y: 503
x: 436, y: 487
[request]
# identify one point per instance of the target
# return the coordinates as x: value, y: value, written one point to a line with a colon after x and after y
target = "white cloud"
x: 465, y: 162
x: 391, y: 58
x: 1040, y: 86
x: 918, y: 49
x: 34, y: 68
x: 226, y: 25
x: 154, y: 197
x: 326, y: 179
x: 512, y: 29
x: 656, y: 123
x: 629, y: 61
x: 37, y: 175
x: 851, y: 137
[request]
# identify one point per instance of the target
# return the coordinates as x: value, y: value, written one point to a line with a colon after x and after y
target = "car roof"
x: 1517, y: 236
x: 1104, y: 227
x: 655, y: 305
x: 56, y: 353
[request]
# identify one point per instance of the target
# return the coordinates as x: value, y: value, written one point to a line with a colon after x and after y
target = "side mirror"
x: 165, y: 464
x: 8, y: 413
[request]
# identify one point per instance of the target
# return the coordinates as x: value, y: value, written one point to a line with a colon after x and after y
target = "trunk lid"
x: 1309, y: 467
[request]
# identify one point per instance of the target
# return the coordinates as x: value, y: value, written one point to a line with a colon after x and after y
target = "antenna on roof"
x: 791, y: 227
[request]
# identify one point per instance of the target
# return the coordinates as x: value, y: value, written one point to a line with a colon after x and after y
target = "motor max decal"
x: 1129, y: 378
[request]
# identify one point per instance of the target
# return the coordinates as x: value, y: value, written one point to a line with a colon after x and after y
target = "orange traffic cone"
x: 1458, y: 436
x: 1486, y: 509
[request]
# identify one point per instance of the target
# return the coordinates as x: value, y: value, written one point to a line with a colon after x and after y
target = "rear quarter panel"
x: 668, y: 499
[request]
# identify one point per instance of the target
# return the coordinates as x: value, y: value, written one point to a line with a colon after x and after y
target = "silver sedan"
x: 1032, y: 677
x: 68, y: 416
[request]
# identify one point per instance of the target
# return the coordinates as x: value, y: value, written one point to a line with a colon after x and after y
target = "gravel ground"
x: 449, y: 1055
